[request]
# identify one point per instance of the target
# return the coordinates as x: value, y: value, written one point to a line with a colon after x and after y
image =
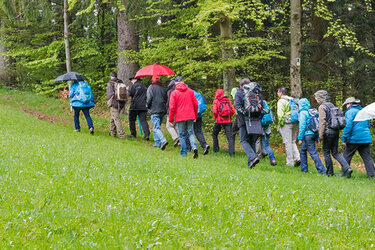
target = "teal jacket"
x: 304, y: 118
x: 356, y: 132
x: 74, y: 99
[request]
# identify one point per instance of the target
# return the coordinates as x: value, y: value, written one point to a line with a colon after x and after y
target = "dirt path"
x: 45, y: 117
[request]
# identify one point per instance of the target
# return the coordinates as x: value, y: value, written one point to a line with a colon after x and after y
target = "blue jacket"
x: 355, y: 132
x: 304, y: 118
x: 74, y: 100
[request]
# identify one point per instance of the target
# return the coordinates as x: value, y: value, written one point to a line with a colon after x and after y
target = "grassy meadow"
x: 60, y: 189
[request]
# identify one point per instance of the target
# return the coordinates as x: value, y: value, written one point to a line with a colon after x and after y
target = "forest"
x: 211, y: 44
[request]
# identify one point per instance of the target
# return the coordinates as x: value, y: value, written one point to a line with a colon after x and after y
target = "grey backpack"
x: 335, y: 119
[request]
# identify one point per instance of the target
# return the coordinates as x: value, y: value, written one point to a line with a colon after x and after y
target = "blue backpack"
x: 85, y: 94
x: 267, y: 119
x: 293, y: 103
x: 313, y: 123
x: 201, y: 104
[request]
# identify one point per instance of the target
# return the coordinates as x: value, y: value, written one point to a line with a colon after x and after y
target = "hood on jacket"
x: 304, y: 104
x: 181, y: 87
x: 321, y: 96
x: 172, y: 85
x: 219, y: 94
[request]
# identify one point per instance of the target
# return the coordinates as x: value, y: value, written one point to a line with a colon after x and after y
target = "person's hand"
x: 300, y: 142
x: 344, y: 144
x: 317, y: 143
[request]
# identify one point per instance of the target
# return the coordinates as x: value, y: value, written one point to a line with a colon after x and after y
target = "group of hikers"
x: 184, y: 108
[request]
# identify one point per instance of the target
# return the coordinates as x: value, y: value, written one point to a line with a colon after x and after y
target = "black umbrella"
x: 71, y: 76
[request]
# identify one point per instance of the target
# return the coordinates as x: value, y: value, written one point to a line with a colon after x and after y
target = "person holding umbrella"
x: 357, y: 136
x: 156, y: 105
x: 82, y: 99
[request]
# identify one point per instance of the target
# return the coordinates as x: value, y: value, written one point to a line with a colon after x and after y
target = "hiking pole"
x: 139, y: 125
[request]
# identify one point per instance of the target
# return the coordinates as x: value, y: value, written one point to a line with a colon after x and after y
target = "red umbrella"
x: 154, y: 70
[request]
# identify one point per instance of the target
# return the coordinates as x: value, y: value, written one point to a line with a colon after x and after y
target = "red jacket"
x: 183, y: 105
x: 221, y: 100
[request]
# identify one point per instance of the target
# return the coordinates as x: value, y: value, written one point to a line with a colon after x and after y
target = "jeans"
x: 185, y: 129
x: 289, y: 134
x: 309, y: 145
x: 330, y: 145
x: 142, y: 119
x: 86, y: 112
x: 198, y: 132
x: 228, y: 132
x: 156, y: 120
x: 267, y: 147
x: 248, y: 144
x: 364, y: 152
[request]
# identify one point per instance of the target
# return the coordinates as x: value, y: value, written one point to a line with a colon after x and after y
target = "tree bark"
x: 3, y: 62
x: 229, y: 75
x: 295, y: 48
x: 127, y: 40
x: 66, y: 38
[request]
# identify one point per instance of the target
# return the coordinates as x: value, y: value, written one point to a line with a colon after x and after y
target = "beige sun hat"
x: 351, y: 100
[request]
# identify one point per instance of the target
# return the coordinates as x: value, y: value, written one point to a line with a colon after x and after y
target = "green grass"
x: 61, y: 189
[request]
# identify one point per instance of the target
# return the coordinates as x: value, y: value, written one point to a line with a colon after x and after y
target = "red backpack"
x: 224, y: 109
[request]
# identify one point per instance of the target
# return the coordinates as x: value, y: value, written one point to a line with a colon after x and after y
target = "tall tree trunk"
x: 127, y: 40
x: 295, y: 48
x: 229, y: 76
x: 3, y: 62
x: 66, y: 38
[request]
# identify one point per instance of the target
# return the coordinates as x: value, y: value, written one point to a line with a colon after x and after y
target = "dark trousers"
x: 248, y: 142
x: 228, y: 132
x: 309, y: 145
x: 142, y: 118
x: 235, y: 130
x: 198, y: 132
x: 86, y: 112
x: 364, y: 151
x: 330, y: 146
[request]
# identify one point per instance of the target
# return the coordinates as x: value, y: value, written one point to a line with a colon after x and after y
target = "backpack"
x: 267, y: 118
x: 121, y: 93
x: 201, y: 105
x: 252, y: 100
x: 224, y: 109
x: 336, y: 119
x: 85, y: 94
x: 313, y: 123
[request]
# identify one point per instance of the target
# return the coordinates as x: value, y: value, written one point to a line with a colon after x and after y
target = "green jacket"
x: 283, y: 109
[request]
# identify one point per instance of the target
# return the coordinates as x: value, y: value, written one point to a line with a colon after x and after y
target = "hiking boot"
x: 206, y: 149
x: 176, y: 142
x: 273, y: 163
x: 348, y: 173
x: 297, y: 163
x: 91, y: 130
x: 195, y: 153
x: 254, y: 162
x: 164, y: 145
x: 146, y: 138
x: 77, y: 130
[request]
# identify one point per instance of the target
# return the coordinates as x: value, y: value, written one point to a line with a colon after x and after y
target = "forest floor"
x: 62, y: 189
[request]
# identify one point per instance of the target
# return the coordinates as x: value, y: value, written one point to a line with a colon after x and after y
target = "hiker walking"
x: 267, y: 121
x: 223, y: 110
x: 287, y: 115
x: 116, y: 100
x: 138, y: 93
x: 82, y: 99
x: 156, y: 101
x: 307, y: 138
x: 183, y: 110
x: 170, y: 127
x: 248, y: 103
x: 331, y: 120
x: 198, y: 131
x: 357, y: 136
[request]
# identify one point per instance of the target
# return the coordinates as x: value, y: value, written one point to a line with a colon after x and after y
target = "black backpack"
x: 335, y: 117
x: 252, y: 100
